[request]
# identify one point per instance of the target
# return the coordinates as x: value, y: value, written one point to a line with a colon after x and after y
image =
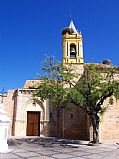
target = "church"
x: 31, y: 117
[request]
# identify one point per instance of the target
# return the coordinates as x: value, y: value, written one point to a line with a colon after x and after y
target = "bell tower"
x: 72, y: 45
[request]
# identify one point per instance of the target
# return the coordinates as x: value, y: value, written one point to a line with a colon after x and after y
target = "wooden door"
x: 33, y: 123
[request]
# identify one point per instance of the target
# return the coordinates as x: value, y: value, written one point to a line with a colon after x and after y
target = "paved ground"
x: 51, y: 148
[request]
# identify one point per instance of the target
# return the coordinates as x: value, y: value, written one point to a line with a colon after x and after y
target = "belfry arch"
x: 72, y: 50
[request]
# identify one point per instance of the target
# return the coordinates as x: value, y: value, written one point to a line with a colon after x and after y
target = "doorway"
x: 33, y: 123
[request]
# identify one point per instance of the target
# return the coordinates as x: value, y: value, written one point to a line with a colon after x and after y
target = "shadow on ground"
x: 46, y: 142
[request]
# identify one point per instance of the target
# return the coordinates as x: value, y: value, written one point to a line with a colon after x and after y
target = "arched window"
x: 72, y: 51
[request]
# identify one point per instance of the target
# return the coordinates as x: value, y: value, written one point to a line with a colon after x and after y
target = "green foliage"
x: 62, y: 84
x: 55, y: 82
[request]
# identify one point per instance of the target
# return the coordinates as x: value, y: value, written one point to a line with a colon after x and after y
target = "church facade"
x: 30, y: 117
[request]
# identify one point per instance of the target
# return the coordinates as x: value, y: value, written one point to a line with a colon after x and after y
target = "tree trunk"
x: 95, y: 123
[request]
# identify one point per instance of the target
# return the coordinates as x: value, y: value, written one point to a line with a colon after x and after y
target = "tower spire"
x: 72, y: 26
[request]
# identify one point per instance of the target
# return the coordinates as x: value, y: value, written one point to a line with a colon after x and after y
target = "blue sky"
x: 31, y: 29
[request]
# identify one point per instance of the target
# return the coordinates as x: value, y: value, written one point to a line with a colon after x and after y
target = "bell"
x: 73, y: 49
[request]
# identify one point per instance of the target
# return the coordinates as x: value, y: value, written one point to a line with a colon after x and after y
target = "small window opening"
x: 51, y: 115
x: 71, y: 115
x: 34, y: 104
x: 58, y: 115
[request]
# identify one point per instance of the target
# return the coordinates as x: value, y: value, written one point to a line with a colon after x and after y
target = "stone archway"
x: 23, y: 106
x: 34, y: 116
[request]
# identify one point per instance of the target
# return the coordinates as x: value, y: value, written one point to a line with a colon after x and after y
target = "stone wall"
x: 71, y: 123
x: 75, y: 123
x: 109, y: 126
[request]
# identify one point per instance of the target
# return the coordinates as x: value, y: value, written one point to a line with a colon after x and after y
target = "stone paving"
x: 51, y: 148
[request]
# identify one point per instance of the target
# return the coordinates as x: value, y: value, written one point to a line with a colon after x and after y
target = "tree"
x: 63, y: 85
